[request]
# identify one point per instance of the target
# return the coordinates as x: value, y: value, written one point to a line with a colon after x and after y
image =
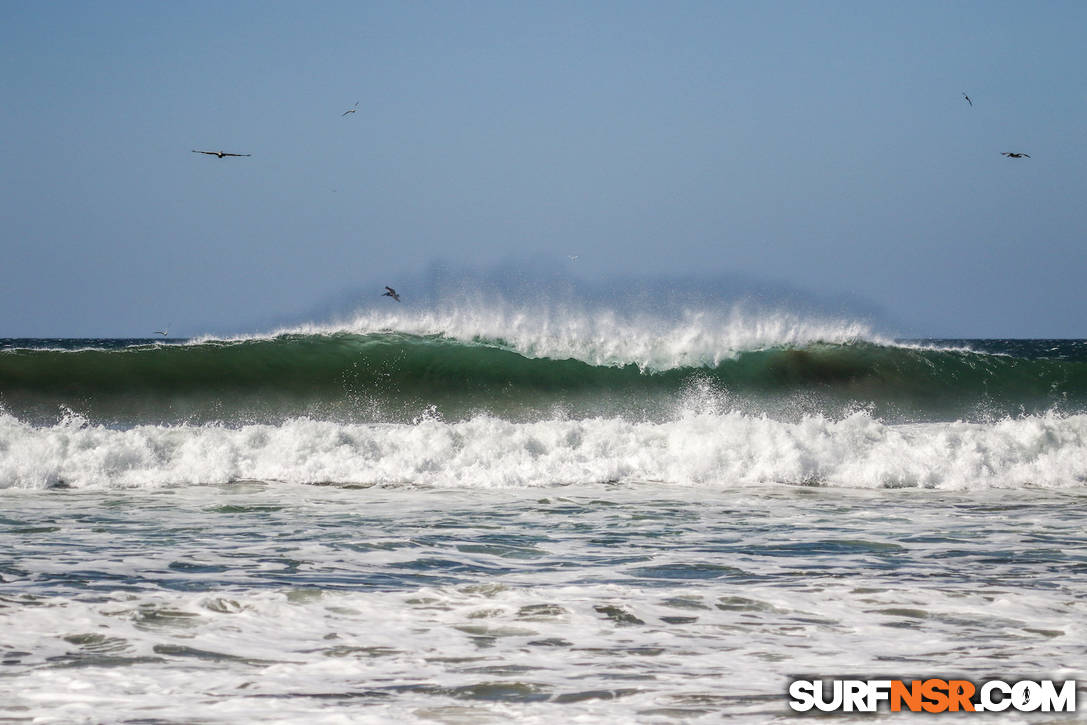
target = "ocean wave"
x: 393, y: 376
x: 702, y: 449
x: 653, y: 341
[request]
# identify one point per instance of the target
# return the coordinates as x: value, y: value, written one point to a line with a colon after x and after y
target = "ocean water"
x: 476, y: 515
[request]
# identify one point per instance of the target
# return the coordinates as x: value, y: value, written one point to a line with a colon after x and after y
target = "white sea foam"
x: 643, y: 603
x: 702, y: 449
x: 601, y: 335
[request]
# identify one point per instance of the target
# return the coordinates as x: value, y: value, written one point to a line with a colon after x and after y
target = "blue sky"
x: 822, y: 147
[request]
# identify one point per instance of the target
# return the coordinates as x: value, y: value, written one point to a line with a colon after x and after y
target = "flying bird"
x: 350, y: 110
x: 968, y: 99
x: 1012, y: 155
x: 390, y: 292
x: 220, y: 154
x: 164, y: 333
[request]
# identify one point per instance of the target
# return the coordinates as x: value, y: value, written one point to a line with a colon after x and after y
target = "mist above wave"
x: 689, y: 337
x: 539, y: 310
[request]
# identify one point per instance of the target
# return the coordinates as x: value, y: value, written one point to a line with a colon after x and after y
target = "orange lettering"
x: 911, y: 695
x: 959, y: 693
x: 935, y: 691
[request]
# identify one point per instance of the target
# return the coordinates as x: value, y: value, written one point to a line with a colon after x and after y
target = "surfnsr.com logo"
x: 932, y: 695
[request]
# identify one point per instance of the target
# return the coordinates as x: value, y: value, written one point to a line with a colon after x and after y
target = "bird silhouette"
x: 1013, y: 155
x: 220, y: 154
x: 350, y: 110
x: 390, y: 292
x: 968, y: 100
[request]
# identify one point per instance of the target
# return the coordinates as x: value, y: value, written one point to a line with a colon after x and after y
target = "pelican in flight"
x: 968, y: 99
x: 220, y: 154
x: 390, y: 292
x: 1013, y: 155
x: 350, y: 110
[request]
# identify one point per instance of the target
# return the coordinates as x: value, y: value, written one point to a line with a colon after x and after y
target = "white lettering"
x: 992, y: 696
x: 803, y: 694
x: 1026, y: 696
x: 835, y: 701
x: 878, y: 690
x: 1064, y: 701
x: 853, y: 696
x: 987, y: 701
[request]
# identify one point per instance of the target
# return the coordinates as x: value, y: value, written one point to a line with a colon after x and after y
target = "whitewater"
x: 492, y: 512
x: 708, y: 450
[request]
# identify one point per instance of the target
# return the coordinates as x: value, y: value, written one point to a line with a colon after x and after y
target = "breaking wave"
x: 701, y: 449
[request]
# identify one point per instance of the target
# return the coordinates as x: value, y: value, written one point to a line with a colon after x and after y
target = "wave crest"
x: 653, y: 341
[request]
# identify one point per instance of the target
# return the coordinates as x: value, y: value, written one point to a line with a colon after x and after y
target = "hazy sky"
x: 817, y: 146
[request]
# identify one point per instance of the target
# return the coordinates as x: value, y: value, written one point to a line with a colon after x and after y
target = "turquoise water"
x: 395, y: 377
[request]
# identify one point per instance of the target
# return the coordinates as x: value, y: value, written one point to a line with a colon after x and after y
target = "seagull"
x: 390, y: 292
x: 968, y: 99
x: 220, y: 154
x: 1012, y: 155
x: 573, y: 257
x: 164, y: 333
x: 350, y: 110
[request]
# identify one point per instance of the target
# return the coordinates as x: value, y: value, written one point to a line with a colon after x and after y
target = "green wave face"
x: 393, y: 377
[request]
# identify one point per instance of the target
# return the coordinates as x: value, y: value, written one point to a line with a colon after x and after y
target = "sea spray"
x: 654, y: 340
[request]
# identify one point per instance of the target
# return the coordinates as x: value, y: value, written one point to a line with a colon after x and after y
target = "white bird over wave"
x: 163, y: 332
